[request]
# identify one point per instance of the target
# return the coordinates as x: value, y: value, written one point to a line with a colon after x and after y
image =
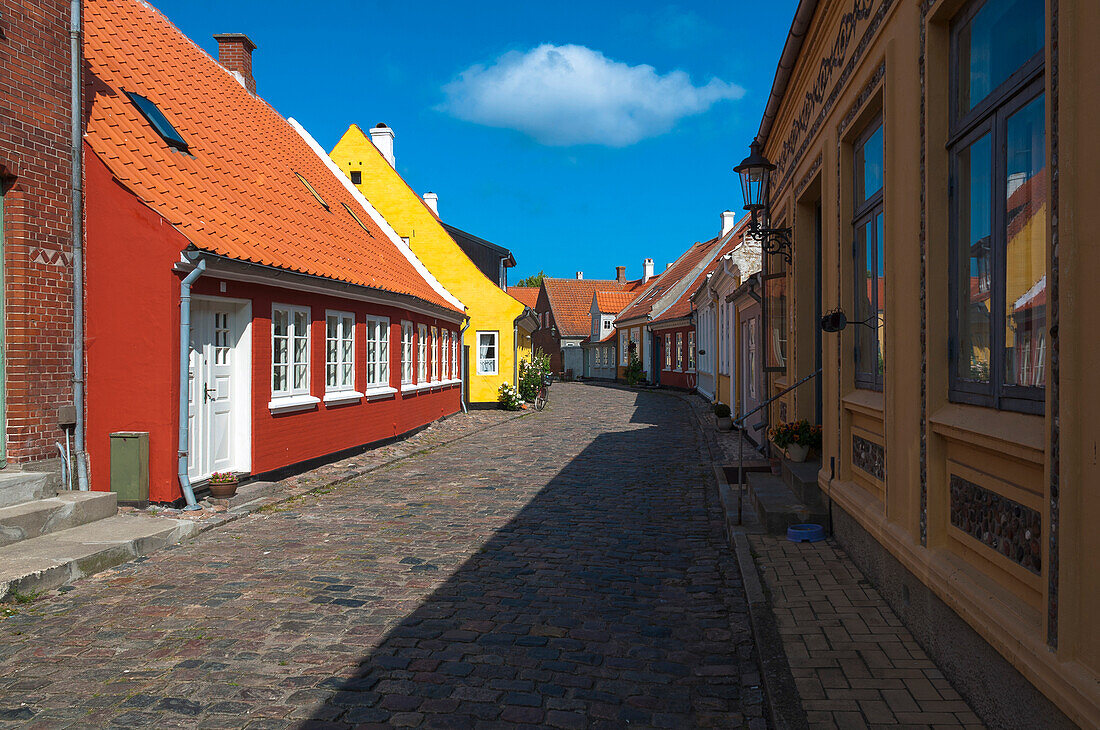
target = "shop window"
x: 868, y: 250
x: 998, y: 189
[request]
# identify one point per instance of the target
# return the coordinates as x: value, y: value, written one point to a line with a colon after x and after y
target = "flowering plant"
x: 509, y: 398
x: 796, y: 432
x: 223, y: 477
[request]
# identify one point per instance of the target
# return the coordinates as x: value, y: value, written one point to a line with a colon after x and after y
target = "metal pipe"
x: 185, y: 357
x: 465, y: 364
x: 77, y: 184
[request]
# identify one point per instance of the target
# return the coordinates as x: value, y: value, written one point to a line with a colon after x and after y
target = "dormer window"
x: 158, y: 121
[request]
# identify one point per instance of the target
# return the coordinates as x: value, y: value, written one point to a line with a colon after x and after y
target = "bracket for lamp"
x: 836, y: 320
x: 774, y: 241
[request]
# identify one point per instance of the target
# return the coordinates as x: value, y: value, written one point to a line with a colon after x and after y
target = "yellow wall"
x: 488, y: 306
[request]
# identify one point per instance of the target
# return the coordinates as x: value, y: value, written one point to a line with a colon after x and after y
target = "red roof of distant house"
x: 682, y: 307
x: 668, y: 280
x: 525, y: 295
x: 613, y: 302
x: 235, y: 192
x: 571, y: 302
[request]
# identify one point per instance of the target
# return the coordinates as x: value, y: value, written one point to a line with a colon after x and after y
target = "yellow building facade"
x: 494, y: 343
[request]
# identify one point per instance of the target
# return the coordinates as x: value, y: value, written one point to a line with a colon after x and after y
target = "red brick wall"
x: 35, y: 166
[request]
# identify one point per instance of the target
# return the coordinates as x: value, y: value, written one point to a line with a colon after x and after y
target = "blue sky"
x: 579, y: 135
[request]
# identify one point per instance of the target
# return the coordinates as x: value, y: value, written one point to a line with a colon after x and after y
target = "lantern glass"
x: 755, y: 172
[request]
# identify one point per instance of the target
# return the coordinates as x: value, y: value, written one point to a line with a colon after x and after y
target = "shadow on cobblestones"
x: 608, y: 600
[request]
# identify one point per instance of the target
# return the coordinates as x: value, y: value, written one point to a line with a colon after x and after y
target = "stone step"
x: 47, y: 562
x: 777, y: 507
x: 751, y: 465
x: 29, y: 520
x: 801, y: 478
x: 17, y: 487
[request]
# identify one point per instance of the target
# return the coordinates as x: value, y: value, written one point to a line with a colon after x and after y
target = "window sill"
x: 342, y: 397
x: 1018, y: 434
x: 291, y: 403
x: 379, y: 392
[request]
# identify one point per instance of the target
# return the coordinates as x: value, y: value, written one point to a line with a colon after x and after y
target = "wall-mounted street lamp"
x: 755, y: 171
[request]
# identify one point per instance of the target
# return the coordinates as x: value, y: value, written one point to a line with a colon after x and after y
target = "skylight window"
x: 357, y: 218
x: 314, y: 192
x: 159, y: 122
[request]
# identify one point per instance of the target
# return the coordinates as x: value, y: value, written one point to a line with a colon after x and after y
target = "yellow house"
x: 497, y: 335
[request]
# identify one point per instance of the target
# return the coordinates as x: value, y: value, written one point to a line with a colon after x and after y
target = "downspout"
x: 185, y: 352
x: 465, y: 363
x: 515, y: 353
x: 76, y: 129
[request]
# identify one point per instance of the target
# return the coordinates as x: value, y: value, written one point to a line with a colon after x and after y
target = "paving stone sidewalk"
x: 565, y: 569
x: 854, y: 663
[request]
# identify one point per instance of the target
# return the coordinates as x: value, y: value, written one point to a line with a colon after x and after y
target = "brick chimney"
x: 620, y: 274
x: 235, y: 53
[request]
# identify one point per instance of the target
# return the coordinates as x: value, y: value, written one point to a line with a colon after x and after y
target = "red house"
x: 313, y: 330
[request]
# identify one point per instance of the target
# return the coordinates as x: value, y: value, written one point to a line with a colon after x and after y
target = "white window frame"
x: 496, y: 353
x: 378, y: 355
x: 445, y: 353
x: 691, y: 351
x: 456, y: 359
x: 290, y: 397
x: 622, y: 347
x: 668, y: 352
x: 340, y: 392
x: 422, y: 354
x: 406, y: 352
x: 433, y: 342
x: 679, y: 351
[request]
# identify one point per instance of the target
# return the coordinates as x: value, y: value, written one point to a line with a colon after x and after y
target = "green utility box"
x: 130, y: 467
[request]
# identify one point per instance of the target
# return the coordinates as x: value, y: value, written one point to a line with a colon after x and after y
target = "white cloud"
x: 569, y: 95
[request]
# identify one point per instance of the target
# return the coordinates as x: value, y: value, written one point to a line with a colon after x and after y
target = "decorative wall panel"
x: 1007, y: 526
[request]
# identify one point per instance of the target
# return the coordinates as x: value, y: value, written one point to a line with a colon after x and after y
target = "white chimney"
x: 382, y: 136
x: 647, y: 270
x: 668, y: 266
x: 727, y: 221
x: 580, y: 274
x: 433, y: 202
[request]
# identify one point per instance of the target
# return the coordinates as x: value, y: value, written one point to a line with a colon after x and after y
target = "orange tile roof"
x: 525, y: 295
x: 643, y: 305
x: 571, y: 302
x: 613, y: 302
x: 682, y: 307
x: 234, y: 193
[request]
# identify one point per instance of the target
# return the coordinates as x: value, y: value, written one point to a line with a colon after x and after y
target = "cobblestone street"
x: 565, y: 569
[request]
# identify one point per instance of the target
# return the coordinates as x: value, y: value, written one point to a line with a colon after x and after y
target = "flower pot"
x: 725, y: 423
x: 797, y: 452
x: 222, y: 490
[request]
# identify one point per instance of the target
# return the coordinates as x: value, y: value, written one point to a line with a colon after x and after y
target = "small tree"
x: 535, y: 280
x: 532, y: 373
x: 633, y: 373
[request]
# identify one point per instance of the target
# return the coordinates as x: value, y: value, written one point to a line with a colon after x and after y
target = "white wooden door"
x: 214, y: 336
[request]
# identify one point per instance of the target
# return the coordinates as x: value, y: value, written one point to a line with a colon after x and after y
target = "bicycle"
x: 543, y: 394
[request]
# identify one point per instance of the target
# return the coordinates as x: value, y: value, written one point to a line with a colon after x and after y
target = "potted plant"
x: 797, y: 437
x: 722, y: 415
x: 223, y: 484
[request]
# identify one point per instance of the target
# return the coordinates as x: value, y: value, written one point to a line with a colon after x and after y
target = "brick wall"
x: 35, y: 166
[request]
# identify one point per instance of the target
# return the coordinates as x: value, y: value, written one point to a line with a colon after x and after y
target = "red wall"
x: 669, y: 376
x: 133, y: 345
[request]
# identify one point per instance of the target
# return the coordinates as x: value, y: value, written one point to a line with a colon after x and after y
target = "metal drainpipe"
x: 76, y: 115
x: 465, y: 364
x: 185, y: 350
x: 515, y: 354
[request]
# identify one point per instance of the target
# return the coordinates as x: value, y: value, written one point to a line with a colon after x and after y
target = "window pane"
x: 281, y: 350
x: 880, y: 299
x: 869, y: 167
x: 775, y: 290
x: 1025, y: 259
x: 975, y: 264
x: 332, y: 327
x: 345, y: 375
x: 865, y: 295
x: 279, y: 322
x: 999, y: 39
x: 330, y: 375
x: 330, y: 350
x: 300, y: 379
x: 299, y: 349
x: 301, y: 324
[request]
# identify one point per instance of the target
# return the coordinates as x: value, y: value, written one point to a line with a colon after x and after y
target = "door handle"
x: 206, y: 394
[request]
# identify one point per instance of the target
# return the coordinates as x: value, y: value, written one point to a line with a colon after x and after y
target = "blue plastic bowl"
x: 805, y: 533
